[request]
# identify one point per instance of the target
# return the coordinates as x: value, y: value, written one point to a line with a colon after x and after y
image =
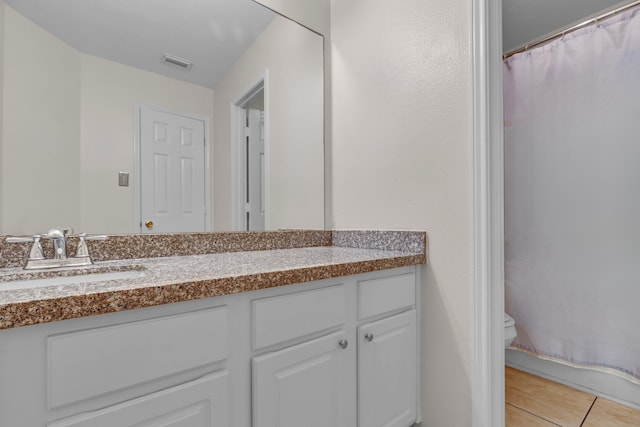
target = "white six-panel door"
x: 172, y: 172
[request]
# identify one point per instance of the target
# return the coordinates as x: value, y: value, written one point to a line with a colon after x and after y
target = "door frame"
x: 137, y: 180
x: 237, y: 151
x: 487, y: 392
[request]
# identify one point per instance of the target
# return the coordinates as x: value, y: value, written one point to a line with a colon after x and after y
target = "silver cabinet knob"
x: 368, y: 336
x: 343, y: 344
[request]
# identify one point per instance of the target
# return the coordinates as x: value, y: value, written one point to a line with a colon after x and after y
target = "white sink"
x: 68, y: 280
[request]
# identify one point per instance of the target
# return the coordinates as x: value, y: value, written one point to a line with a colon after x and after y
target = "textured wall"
x: 402, y: 121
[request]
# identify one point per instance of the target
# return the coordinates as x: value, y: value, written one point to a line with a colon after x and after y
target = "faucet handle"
x: 36, y: 249
x: 83, y: 249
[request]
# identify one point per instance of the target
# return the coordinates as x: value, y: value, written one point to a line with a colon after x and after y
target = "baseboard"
x: 601, y: 384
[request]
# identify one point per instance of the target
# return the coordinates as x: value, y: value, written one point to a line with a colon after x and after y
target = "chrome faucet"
x: 59, y: 243
x: 58, y: 237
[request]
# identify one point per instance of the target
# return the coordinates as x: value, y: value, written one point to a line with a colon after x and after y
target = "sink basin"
x: 28, y: 283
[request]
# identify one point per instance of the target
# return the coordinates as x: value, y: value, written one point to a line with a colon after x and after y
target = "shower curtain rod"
x: 571, y: 29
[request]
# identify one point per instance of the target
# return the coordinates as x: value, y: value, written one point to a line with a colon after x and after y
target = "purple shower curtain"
x: 572, y: 196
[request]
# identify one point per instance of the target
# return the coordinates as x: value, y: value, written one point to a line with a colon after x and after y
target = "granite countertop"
x: 172, y: 279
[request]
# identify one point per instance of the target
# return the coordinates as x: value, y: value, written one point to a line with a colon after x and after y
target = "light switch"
x: 123, y: 179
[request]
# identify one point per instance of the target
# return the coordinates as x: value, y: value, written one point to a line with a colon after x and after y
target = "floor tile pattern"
x: 532, y: 401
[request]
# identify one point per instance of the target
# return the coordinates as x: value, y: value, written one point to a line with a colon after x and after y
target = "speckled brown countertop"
x: 169, y: 279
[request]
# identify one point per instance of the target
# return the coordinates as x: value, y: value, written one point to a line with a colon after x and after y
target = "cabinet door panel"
x: 199, y: 403
x: 303, y: 385
x: 387, y: 372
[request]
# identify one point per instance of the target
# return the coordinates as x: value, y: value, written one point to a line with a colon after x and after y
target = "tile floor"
x: 532, y: 401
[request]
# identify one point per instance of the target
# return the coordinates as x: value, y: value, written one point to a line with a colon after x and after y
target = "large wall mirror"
x: 93, y: 89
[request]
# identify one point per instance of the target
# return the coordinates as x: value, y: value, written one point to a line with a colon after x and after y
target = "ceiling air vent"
x: 176, y: 61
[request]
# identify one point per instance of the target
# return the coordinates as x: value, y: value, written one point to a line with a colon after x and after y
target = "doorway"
x: 562, y: 149
x: 250, y: 195
x: 171, y: 171
x: 488, y: 378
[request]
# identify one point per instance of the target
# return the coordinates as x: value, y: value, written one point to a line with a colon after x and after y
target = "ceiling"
x: 526, y: 20
x: 212, y: 34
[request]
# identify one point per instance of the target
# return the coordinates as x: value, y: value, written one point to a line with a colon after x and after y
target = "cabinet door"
x: 199, y: 403
x: 387, y: 372
x: 304, y: 385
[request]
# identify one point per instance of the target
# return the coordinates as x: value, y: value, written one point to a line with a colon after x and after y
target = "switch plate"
x: 123, y: 179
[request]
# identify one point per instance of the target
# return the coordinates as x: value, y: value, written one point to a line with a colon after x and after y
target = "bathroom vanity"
x: 297, y: 328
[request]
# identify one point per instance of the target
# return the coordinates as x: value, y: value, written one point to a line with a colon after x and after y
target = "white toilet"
x: 509, y: 330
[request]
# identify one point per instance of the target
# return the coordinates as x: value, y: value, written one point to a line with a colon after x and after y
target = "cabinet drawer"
x: 286, y: 317
x: 200, y: 403
x: 89, y: 363
x: 377, y: 296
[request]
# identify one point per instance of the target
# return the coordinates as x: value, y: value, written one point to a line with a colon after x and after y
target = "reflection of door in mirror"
x: 254, y: 164
x: 252, y: 169
x: 172, y: 172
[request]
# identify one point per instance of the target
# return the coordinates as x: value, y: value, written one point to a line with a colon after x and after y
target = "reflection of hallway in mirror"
x: 254, y: 163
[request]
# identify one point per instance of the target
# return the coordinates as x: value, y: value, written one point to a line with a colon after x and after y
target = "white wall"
x: 402, y: 159
x: 71, y: 131
x: 109, y: 92
x: 294, y: 102
x: 41, y: 134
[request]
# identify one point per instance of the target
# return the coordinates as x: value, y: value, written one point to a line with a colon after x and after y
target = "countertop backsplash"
x: 134, y: 246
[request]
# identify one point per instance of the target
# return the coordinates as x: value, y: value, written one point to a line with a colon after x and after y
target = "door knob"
x: 343, y: 344
x: 368, y: 337
x: 148, y: 224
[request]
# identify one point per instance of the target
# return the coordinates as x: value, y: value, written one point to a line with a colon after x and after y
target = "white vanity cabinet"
x: 302, y: 383
x: 363, y: 371
x: 387, y: 352
x: 153, y: 367
x: 89, y: 363
x: 340, y: 352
